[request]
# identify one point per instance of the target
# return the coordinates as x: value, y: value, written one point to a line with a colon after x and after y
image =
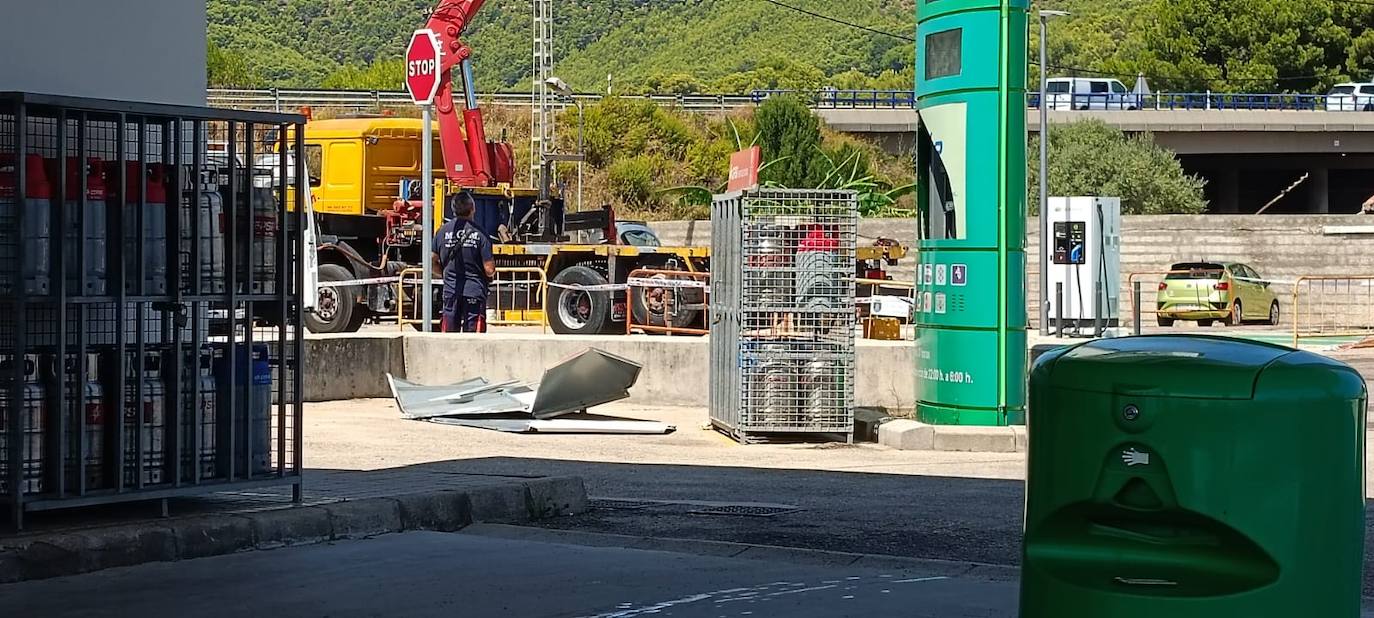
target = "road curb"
x: 766, y: 553
x: 72, y: 552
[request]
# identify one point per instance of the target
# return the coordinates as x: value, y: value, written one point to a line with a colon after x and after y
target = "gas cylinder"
x: 252, y: 384
x: 212, y: 221
x: 146, y: 418
x: 769, y: 385
x: 822, y: 381
x: 91, y: 438
x: 768, y: 283
x: 32, y: 242
x: 200, y: 418
x: 263, y: 254
x: 32, y: 421
x: 84, y: 251
x: 150, y: 190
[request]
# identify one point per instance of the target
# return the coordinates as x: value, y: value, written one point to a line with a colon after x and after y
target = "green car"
x: 1208, y: 292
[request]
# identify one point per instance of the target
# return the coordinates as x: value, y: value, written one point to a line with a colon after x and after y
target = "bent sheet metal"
x: 558, y: 404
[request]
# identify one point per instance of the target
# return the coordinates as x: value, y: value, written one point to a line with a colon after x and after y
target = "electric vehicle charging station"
x: 1084, y: 260
x: 971, y: 172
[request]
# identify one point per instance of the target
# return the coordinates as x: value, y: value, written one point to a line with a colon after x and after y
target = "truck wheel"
x: 579, y: 312
x: 335, y: 310
x: 648, y: 304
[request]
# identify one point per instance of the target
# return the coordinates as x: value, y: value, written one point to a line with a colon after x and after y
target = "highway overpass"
x: 1247, y: 157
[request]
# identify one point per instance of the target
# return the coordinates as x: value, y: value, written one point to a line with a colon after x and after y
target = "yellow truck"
x: 363, y: 172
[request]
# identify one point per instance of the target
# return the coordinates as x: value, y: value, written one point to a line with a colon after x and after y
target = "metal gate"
x: 150, y: 308
x: 783, y: 313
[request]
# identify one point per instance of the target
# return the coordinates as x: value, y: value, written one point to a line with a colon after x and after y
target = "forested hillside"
x: 643, y: 44
x: 737, y: 45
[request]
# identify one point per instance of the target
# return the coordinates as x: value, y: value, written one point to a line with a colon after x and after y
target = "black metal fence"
x: 150, y: 287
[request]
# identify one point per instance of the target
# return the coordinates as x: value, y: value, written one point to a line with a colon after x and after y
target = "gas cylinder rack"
x: 783, y: 309
x: 150, y: 288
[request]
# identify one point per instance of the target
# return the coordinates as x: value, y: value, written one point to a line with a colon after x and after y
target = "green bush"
x: 634, y: 181
x: 1091, y: 158
x: 619, y: 127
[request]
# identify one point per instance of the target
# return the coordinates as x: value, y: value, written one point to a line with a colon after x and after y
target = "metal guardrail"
x: 289, y: 100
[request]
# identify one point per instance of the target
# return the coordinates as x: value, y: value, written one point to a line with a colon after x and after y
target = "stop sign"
x: 422, y: 67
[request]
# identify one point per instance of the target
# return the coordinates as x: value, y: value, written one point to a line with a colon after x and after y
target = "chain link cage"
x: 150, y: 286
x: 784, y: 319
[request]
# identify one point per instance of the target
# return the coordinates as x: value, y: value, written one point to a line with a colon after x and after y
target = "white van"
x: 1351, y: 97
x: 1089, y: 93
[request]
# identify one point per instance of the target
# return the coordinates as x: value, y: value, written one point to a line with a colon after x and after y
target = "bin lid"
x: 1173, y: 365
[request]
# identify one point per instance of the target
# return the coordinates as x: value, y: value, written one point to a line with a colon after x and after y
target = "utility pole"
x: 1045, y: 168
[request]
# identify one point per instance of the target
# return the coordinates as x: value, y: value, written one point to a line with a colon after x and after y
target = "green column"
x: 971, y: 168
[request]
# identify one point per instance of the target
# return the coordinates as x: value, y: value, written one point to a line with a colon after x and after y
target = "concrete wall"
x: 339, y: 368
x: 135, y: 50
x: 1282, y: 247
x: 675, y: 369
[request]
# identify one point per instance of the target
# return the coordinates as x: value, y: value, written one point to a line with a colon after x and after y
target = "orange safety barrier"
x: 662, y: 293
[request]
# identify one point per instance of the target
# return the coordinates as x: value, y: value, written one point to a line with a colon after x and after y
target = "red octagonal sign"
x: 422, y: 67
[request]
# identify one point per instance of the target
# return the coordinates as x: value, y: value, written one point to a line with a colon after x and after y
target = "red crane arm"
x: 467, y: 155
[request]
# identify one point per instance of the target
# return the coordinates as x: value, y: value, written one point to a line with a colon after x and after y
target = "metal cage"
x: 783, y: 276
x: 150, y: 287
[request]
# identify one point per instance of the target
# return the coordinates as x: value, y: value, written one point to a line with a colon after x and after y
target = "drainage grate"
x: 736, y: 510
x: 610, y: 504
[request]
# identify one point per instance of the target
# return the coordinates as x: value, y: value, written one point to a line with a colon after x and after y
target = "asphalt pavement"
x: 435, y: 574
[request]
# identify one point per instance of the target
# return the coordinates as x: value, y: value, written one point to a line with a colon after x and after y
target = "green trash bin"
x: 1192, y: 477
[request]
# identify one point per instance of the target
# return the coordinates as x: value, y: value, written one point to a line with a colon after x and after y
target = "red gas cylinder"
x: 150, y: 190
x: 83, y: 241
x: 32, y: 242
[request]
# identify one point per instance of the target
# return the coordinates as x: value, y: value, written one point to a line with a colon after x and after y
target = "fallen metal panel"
x: 591, y: 378
x: 508, y: 425
x: 409, y: 392
x: 560, y: 426
x: 602, y: 427
x: 472, y: 397
x: 485, y: 404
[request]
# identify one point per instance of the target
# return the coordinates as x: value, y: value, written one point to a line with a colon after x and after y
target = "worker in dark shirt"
x: 462, y: 252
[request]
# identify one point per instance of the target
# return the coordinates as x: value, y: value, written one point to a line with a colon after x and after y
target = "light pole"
x: 567, y: 92
x: 1045, y: 168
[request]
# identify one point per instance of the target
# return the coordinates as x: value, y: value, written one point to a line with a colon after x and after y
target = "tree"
x: 227, y: 69
x: 1243, y: 45
x: 1092, y: 158
x: 1361, y: 62
x: 790, y: 134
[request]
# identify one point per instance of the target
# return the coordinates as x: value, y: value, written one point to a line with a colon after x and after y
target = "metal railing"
x: 280, y: 99
x: 414, y: 277
x: 1332, y: 306
x: 518, y: 297
x: 289, y: 100
x: 663, y: 293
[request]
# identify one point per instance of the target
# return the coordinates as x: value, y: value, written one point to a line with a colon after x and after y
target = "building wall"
x: 134, y: 50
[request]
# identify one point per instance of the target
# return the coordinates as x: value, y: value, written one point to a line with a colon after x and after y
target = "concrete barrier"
x: 676, y: 369
x: 342, y: 367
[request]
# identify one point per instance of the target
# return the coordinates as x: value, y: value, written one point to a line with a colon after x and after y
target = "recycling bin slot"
x: 1193, y: 477
x: 1197, y: 556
